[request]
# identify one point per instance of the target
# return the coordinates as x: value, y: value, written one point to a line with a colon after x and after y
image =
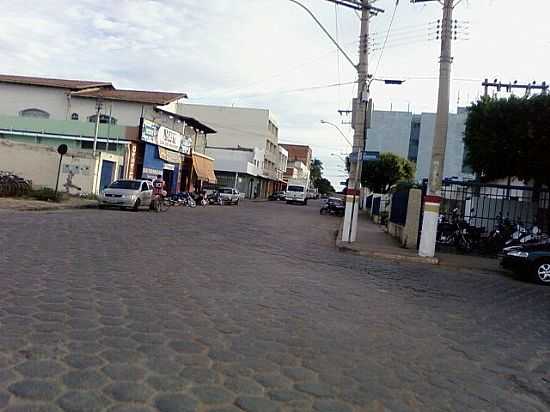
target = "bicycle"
x: 160, y: 204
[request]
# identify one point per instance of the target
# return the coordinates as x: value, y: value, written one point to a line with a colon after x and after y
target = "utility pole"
x: 98, y: 107
x: 432, y: 200
x: 349, y: 230
x: 360, y: 109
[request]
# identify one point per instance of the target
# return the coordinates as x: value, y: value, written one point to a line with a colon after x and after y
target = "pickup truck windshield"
x: 295, y: 188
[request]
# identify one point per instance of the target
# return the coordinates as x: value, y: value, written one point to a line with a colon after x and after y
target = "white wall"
x: 390, y: 132
x: 454, y: 152
x: 17, y: 97
x: 236, y: 126
x: 40, y: 163
x: 14, y: 98
x: 241, y: 161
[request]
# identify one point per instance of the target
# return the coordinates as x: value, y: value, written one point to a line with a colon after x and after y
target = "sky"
x: 271, y: 54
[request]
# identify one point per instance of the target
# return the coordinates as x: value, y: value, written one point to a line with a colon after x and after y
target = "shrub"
x: 45, y: 194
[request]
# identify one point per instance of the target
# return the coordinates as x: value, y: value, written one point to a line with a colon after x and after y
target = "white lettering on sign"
x: 164, y: 137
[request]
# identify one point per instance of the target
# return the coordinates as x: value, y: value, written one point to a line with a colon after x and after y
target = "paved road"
x: 251, y: 308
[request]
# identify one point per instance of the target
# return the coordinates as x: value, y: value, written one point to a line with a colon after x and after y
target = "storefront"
x: 163, y: 153
x: 197, y: 173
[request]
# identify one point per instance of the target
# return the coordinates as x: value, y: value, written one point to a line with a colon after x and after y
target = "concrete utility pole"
x: 349, y: 231
x: 98, y: 107
x: 432, y: 201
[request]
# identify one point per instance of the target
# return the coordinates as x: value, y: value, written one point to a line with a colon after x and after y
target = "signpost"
x: 62, y: 150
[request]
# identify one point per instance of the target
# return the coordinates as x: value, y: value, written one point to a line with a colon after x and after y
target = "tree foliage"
x: 509, y: 137
x: 324, y: 186
x: 315, y: 170
x: 379, y: 175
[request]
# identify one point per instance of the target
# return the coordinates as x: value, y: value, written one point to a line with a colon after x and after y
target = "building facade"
x: 411, y: 136
x: 299, y: 161
x: 47, y: 112
x: 242, y: 128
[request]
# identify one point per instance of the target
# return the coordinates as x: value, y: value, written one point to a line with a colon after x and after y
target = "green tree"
x: 324, y: 186
x: 509, y: 137
x: 315, y: 170
x: 379, y: 175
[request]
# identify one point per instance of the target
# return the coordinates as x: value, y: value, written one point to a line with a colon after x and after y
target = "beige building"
x: 253, y: 129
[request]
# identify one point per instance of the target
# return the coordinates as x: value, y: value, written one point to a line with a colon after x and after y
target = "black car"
x: 277, y: 196
x: 532, y: 260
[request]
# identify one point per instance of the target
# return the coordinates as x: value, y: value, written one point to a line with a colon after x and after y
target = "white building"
x: 77, y: 100
x: 244, y: 128
x: 411, y: 136
x: 47, y: 112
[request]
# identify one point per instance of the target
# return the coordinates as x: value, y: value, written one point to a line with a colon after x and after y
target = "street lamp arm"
x: 337, y: 128
x: 326, y: 32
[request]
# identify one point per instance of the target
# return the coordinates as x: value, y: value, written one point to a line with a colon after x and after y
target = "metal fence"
x: 481, y: 205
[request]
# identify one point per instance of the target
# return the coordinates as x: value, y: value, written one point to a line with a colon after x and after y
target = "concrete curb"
x: 351, y: 247
x: 49, y: 208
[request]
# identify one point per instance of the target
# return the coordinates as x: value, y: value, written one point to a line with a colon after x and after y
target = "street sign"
x: 365, y: 156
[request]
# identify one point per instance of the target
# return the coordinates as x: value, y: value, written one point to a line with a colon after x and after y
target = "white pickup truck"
x: 296, y: 191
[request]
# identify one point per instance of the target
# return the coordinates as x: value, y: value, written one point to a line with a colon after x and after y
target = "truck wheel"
x: 305, y: 202
x: 136, y: 205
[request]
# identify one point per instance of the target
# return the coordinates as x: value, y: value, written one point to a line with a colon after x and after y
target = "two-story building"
x: 103, y: 127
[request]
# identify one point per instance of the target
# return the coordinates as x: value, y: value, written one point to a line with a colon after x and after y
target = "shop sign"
x: 164, y: 137
x: 169, y: 155
x: 132, y: 162
x: 150, y: 173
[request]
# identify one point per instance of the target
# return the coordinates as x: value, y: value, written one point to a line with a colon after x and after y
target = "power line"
x: 387, y: 36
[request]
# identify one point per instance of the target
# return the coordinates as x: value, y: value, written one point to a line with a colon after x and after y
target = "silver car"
x: 127, y: 194
x: 228, y: 195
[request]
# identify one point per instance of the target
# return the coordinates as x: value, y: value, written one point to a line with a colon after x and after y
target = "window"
x: 74, y: 116
x: 144, y: 187
x: 112, y: 147
x: 41, y: 114
x: 125, y: 184
x: 103, y: 119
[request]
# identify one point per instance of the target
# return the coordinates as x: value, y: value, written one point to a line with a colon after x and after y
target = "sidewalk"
x: 373, y: 241
x: 22, y: 204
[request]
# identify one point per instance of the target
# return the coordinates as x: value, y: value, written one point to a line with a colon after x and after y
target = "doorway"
x: 107, y: 171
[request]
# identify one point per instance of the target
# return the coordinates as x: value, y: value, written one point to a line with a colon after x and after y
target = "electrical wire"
x: 387, y: 37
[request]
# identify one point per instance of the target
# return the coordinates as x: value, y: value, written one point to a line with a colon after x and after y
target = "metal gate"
x: 482, y: 205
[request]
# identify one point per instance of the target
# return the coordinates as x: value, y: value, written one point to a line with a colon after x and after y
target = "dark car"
x: 532, y: 260
x: 277, y: 196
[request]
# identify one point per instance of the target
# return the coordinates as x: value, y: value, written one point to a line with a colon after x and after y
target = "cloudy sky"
x: 270, y: 53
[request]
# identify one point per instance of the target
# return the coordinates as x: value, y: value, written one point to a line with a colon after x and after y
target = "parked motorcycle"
x: 453, y: 231
x: 333, y: 206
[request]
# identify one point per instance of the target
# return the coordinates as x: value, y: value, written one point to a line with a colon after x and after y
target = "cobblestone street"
x: 251, y: 308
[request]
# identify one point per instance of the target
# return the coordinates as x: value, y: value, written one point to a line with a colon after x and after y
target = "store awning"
x: 204, y: 168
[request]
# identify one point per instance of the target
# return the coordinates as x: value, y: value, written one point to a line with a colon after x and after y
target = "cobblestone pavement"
x: 251, y: 308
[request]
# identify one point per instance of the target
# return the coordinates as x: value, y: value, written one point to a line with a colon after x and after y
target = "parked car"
x: 229, y: 195
x: 127, y: 194
x: 277, y: 196
x: 531, y: 260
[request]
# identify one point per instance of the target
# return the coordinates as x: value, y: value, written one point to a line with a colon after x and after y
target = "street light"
x: 337, y: 128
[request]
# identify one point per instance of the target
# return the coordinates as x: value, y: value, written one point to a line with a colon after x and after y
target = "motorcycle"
x: 334, y: 207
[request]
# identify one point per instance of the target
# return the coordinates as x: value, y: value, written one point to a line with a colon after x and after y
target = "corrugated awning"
x: 204, y: 168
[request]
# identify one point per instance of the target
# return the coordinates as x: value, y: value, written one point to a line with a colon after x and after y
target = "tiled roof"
x: 140, y: 96
x: 46, y: 82
x: 96, y: 89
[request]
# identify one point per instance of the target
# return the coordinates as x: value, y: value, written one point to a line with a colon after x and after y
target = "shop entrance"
x: 167, y: 176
